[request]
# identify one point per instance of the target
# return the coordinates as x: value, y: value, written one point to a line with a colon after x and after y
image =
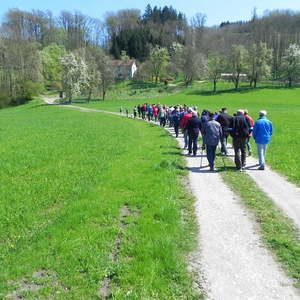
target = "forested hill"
x: 33, y: 43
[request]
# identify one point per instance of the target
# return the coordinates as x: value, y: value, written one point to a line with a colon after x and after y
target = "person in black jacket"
x: 239, y: 131
x: 193, y: 129
x: 225, y: 120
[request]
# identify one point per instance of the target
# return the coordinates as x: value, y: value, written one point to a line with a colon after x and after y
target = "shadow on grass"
x: 242, y: 90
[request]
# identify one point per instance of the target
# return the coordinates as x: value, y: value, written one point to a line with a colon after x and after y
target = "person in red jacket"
x: 155, y: 112
x: 183, y: 125
x: 250, y: 133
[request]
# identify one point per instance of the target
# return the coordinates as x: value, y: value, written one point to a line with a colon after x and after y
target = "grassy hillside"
x: 91, y: 205
x: 283, y: 105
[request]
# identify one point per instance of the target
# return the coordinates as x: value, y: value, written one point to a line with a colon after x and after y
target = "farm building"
x: 124, y: 69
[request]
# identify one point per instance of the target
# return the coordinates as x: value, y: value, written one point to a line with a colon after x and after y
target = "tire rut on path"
x: 283, y: 193
x: 230, y: 255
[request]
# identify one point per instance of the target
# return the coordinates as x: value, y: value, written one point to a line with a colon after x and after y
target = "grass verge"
x: 91, y: 207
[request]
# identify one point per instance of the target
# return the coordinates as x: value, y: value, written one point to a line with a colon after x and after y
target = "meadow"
x: 282, y: 104
x: 91, y: 207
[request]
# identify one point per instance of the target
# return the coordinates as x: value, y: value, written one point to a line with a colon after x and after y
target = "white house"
x: 124, y: 69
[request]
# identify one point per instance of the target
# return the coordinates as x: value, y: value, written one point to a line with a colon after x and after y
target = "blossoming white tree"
x: 75, y: 75
x: 291, y: 64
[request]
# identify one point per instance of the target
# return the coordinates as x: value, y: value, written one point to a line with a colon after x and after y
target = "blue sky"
x: 216, y: 10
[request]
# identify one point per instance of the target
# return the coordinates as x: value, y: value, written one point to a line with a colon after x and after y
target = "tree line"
x: 74, y: 52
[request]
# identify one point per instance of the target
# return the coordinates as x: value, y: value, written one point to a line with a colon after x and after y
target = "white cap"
x: 262, y: 113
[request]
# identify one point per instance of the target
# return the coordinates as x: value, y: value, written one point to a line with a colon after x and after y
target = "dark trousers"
x: 224, y: 143
x: 193, y: 143
x: 176, y: 128
x: 211, y: 155
x: 239, y: 146
x: 162, y: 121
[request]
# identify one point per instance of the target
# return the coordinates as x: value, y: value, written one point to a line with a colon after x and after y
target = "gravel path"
x: 283, y: 193
x: 230, y: 256
x: 49, y: 100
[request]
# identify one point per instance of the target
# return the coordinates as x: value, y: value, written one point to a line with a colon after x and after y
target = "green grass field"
x: 89, y: 204
x: 283, y: 105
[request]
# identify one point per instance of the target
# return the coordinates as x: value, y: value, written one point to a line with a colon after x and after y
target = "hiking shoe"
x: 261, y: 168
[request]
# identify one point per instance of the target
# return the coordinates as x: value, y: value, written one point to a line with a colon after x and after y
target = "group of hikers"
x: 215, y: 128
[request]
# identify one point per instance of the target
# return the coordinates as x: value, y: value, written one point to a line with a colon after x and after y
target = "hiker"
x: 248, y: 144
x: 139, y: 110
x: 193, y: 129
x: 162, y: 116
x: 143, y: 110
x: 240, y: 127
x: 135, y: 112
x: 121, y: 110
x: 262, y: 132
x: 176, y: 120
x: 204, y: 119
x: 183, y: 123
x: 224, y: 119
x: 212, y: 133
x: 155, y: 112
x: 149, y: 112
x: 127, y: 113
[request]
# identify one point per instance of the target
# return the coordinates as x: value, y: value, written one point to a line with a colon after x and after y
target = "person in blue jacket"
x: 262, y: 132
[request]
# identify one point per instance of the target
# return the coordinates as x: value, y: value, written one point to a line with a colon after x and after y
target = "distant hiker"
x: 127, y: 113
x: 149, y: 112
x: 176, y: 120
x: 135, y: 112
x: 121, y: 110
x: 248, y: 144
x: 240, y: 131
x: 183, y: 123
x: 204, y: 119
x: 139, y: 110
x: 212, y: 133
x: 155, y: 112
x: 144, y: 110
x: 162, y: 116
x: 193, y: 129
x: 262, y: 132
x: 224, y: 119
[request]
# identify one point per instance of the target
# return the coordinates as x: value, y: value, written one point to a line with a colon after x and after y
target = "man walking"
x: 224, y: 119
x: 212, y: 133
x: 262, y: 132
x: 183, y: 124
x: 239, y: 131
x: 250, y: 133
x: 193, y: 129
x: 176, y: 120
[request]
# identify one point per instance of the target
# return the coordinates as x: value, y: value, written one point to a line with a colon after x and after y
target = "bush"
x: 4, y: 98
x: 32, y: 89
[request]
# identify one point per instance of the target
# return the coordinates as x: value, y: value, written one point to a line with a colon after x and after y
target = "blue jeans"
x: 224, y: 143
x: 248, y: 144
x: 211, y: 155
x: 186, y: 138
x: 262, y: 149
